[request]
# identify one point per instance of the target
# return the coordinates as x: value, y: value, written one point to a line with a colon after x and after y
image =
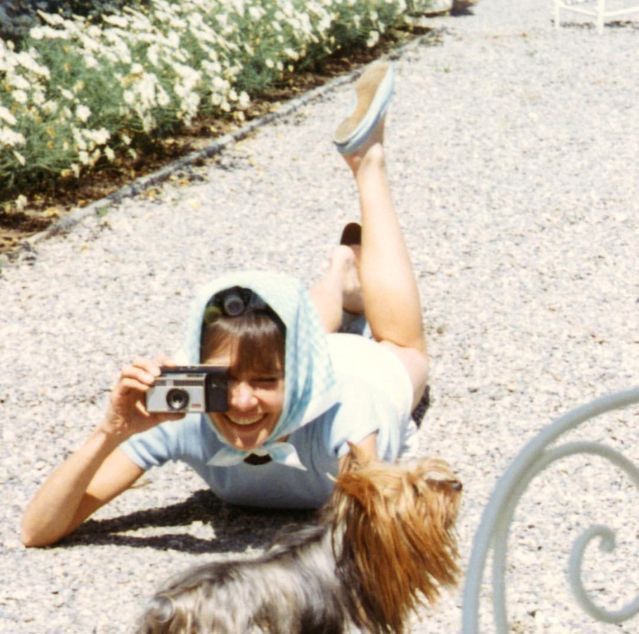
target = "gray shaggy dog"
x: 386, y: 544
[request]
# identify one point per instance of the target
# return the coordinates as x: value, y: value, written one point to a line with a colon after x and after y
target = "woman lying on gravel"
x: 296, y: 395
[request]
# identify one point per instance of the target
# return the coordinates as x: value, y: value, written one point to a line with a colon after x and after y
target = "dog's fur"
x: 385, y: 545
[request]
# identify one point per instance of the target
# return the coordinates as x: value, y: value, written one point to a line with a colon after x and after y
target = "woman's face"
x: 256, y: 400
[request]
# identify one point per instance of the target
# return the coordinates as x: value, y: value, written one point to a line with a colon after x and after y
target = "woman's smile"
x: 244, y: 421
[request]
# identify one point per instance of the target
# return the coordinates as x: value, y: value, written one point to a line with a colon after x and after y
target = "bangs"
x: 257, y: 342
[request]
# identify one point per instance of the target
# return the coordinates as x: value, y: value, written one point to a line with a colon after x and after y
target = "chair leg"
x: 601, y: 9
x: 557, y: 9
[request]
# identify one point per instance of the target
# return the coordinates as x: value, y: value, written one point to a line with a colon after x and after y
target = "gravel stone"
x: 513, y: 151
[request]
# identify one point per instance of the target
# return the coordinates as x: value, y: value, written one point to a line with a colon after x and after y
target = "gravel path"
x: 513, y: 154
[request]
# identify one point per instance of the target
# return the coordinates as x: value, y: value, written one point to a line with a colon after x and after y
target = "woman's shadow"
x: 235, y: 528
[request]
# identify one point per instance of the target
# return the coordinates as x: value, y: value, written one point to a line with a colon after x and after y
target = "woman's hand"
x: 127, y: 413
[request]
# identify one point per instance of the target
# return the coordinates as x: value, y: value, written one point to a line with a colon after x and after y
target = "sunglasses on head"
x: 233, y: 302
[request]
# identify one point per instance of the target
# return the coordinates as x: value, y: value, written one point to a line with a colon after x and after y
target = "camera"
x: 193, y: 388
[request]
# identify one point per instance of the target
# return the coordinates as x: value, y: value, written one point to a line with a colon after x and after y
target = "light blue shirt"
x: 360, y: 411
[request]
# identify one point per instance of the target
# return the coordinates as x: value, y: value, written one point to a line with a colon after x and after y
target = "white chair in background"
x: 490, y: 546
x: 602, y: 10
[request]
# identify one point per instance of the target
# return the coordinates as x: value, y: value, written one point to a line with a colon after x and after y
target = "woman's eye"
x: 266, y: 381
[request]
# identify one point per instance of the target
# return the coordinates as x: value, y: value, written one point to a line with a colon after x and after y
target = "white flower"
x: 78, y: 137
x: 109, y: 153
x: 27, y: 60
x: 20, y: 158
x: 288, y: 9
x: 49, y: 107
x: 47, y: 33
x: 20, y: 96
x: 212, y: 68
x: 18, y: 81
x: 373, y: 38
x: 219, y: 83
x: 99, y: 137
x: 148, y: 121
x: 90, y: 61
x: 94, y: 32
x: 244, y: 100
x: 83, y: 113
x: 115, y: 20
x: 38, y: 98
x: 6, y: 115
x: 147, y: 87
x: 52, y: 18
x: 163, y: 98
x: 152, y: 55
x: 21, y: 201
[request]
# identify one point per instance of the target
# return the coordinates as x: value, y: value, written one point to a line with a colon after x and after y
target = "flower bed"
x: 76, y: 94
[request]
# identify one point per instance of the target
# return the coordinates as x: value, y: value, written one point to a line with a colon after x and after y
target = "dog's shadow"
x: 235, y: 528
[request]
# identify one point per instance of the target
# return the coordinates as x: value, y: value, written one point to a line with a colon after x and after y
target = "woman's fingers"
x: 142, y: 371
x: 127, y: 385
x: 163, y: 361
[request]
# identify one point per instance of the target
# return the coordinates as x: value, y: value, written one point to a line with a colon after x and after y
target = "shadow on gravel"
x: 235, y: 528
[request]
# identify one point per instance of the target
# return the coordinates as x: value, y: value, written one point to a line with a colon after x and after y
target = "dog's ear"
x: 446, y: 485
x: 356, y: 458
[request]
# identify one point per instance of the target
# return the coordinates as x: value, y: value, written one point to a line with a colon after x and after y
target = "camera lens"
x: 233, y: 305
x: 177, y: 399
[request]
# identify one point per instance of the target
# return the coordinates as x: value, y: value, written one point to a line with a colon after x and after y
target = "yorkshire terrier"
x: 385, y: 545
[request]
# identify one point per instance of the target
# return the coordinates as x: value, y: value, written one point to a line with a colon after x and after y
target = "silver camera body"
x: 192, y: 388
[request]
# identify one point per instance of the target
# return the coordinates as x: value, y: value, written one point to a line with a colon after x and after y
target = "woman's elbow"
x: 31, y: 537
x: 31, y: 541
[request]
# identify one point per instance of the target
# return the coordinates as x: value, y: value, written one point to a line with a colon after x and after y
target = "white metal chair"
x: 493, y: 532
x: 602, y: 10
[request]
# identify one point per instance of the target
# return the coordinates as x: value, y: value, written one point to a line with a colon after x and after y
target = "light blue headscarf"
x: 310, y: 386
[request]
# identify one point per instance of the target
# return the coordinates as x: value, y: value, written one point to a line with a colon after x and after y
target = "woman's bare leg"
x: 339, y: 288
x: 389, y: 288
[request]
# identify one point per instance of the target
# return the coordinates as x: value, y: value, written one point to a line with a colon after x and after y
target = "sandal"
x: 374, y: 90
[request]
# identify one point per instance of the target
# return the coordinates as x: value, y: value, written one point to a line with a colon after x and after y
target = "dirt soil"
x: 44, y: 207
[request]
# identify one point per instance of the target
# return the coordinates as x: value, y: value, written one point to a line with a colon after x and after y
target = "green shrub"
x: 17, y: 17
x: 78, y: 93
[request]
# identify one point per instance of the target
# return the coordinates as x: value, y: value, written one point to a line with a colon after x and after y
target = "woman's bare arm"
x: 99, y: 470
x: 88, y: 479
